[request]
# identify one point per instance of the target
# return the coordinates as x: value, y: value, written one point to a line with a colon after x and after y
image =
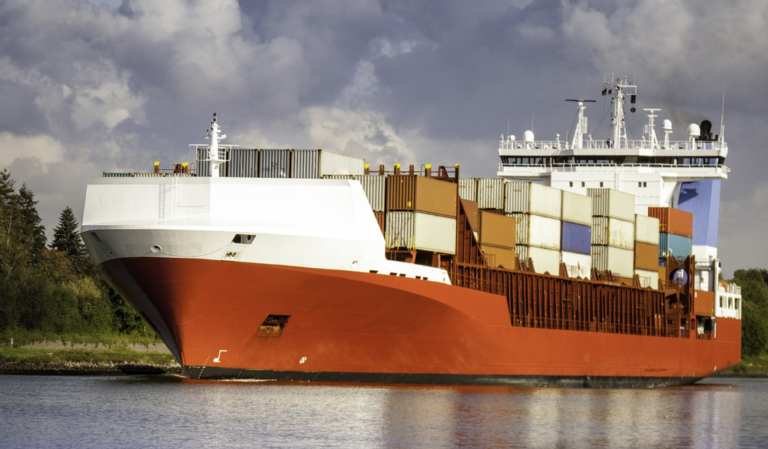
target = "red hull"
x: 349, y: 322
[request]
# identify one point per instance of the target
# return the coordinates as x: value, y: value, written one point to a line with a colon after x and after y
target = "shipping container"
x: 532, y: 198
x: 305, y: 164
x: 612, y: 203
x: 646, y: 256
x: 500, y: 257
x: 576, y: 238
x: 673, y: 221
x: 468, y: 189
x: 576, y: 208
x: 340, y: 164
x: 538, y: 231
x: 274, y: 163
x: 648, y: 278
x: 544, y: 260
x: 674, y: 245
x: 646, y: 229
x: 242, y: 163
x: 381, y: 220
x: 577, y: 265
x: 497, y: 230
x: 375, y: 187
x: 613, y: 232
x: 619, y: 261
x: 490, y: 193
x: 704, y: 303
x: 355, y: 177
x: 421, y: 194
x: 415, y: 230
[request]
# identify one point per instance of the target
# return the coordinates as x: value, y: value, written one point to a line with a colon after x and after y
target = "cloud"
x: 102, y: 86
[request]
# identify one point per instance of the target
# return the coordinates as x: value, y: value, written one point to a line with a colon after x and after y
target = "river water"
x: 168, y: 411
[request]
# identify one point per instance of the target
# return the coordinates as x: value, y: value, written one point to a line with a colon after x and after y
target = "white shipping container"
x: 535, y: 230
x: 416, y: 230
x: 646, y: 229
x: 468, y: 189
x: 577, y: 208
x: 612, y: 203
x: 613, y: 232
x: 620, y: 261
x: 375, y: 187
x: 490, y: 193
x: 340, y: 164
x: 532, y: 198
x: 544, y: 260
x: 578, y: 265
x: 648, y: 278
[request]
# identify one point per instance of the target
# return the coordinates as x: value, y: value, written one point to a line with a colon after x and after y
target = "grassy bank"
x: 749, y: 366
x: 56, y: 356
x: 22, y: 337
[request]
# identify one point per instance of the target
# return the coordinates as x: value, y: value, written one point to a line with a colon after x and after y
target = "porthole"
x: 156, y: 249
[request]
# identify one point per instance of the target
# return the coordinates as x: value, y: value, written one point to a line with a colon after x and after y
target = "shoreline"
x: 86, y: 368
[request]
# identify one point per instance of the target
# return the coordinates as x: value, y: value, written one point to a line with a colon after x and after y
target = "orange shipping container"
x: 646, y: 256
x: 663, y: 274
x: 380, y: 217
x: 497, y: 230
x: 500, y: 257
x: 421, y: 194
x: 704, y: 303
x: 673, y: 221
x: 473, y: 216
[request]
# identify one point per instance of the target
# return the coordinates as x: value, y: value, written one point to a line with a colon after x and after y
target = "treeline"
x: 754, y: 314
x: 52, y: 289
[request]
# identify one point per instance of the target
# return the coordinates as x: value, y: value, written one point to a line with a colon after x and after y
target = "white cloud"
x: 43, y: 148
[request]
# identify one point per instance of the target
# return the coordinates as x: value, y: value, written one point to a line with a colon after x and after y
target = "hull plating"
x: 348, y: 326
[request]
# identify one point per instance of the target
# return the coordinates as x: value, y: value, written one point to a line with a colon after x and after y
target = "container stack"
x: 420, y: 214
x: 536, y: 209
x: 576, y: 240
x: 497, y: 239
x: 647, y: 250
x: 613, y: 231
x: 280, y: 163
x: 675, y: 231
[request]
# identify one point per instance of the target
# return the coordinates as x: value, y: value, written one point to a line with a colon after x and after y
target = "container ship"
x: 583, y: 264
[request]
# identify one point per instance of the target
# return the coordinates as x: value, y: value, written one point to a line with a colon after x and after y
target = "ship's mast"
x: 581, y: 123
x: 618, y: 123
x: 213, y: 149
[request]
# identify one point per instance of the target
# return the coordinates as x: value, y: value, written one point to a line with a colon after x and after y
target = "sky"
x: 89, y: 87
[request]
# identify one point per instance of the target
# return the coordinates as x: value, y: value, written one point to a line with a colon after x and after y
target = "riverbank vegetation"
x: 53, y: 292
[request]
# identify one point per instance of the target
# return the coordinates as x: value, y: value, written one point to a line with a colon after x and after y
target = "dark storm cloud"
x: 93, y: 87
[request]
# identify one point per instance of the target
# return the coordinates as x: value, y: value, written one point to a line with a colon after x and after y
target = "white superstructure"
x: 660, y: 172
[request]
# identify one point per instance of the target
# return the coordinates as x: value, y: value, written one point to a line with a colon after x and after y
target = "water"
x: 167, y: 411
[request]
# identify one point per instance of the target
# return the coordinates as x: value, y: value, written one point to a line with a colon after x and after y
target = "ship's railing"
x: 657, y: 328
x: 586, y: 167
x: 641, y: 144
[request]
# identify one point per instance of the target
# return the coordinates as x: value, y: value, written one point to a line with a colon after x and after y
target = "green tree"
x: 754, y: 318
x: 29, y: 224
x: 66, y: 238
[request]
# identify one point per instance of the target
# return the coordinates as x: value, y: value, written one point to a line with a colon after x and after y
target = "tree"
x: 29, y: 227
x: 66, y: 238
x: 754, y: 318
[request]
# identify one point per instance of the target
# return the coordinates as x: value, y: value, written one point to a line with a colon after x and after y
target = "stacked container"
x: 676, y: 231
x: 647, y: 250
x: 613, y: 229
x: 576, y: 240
x: 421, y: 214
x: 468, y: 189
x: 287, y: 163
x: 497, y: 239
x: 536, y: 209
x: 490, y: 194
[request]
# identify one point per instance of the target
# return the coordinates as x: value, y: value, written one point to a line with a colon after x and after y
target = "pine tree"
x: 29, y: 224
x: 66, y: 238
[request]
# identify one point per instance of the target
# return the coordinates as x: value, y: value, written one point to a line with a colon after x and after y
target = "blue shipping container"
x: 674, y: 245
x: 576, y: 238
